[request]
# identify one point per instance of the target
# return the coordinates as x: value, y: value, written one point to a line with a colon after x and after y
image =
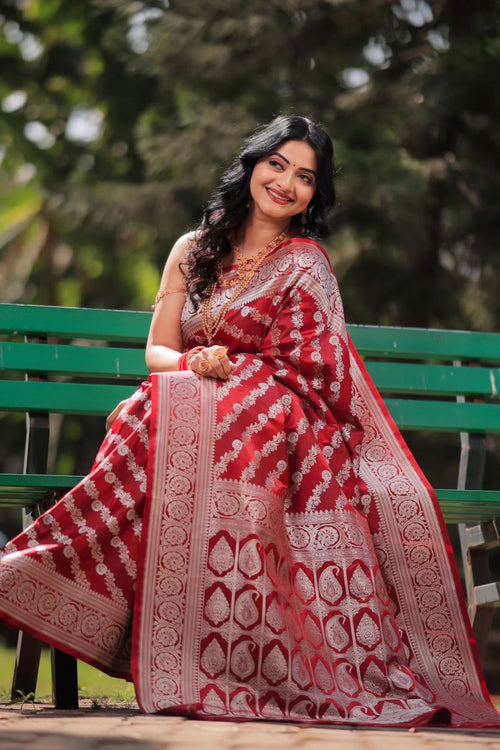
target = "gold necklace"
x: 248, y: 268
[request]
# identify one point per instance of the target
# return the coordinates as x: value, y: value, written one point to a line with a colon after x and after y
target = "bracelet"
x: 185, y: 359
x: 191, y: 353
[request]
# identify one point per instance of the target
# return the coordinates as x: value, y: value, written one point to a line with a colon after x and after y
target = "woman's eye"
x: 275, y: 163
x: 306, y: 178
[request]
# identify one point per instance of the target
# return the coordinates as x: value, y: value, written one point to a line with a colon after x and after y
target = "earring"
x: 303, y: 223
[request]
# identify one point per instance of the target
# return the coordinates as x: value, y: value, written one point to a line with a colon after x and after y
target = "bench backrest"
x: 419, y: 372
x: 75, y: 359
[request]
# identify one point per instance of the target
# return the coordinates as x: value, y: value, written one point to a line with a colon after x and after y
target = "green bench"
x: 76, y: 361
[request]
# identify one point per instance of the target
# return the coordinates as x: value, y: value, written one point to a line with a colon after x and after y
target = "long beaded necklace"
x: 247, y: 267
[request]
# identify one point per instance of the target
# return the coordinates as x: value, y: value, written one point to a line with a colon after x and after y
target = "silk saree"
x: 262, y: 547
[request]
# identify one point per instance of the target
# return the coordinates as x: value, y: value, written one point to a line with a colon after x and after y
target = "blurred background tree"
x: 117, y: 118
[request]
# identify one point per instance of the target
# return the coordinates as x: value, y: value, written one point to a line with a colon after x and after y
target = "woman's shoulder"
x: 183, y: 245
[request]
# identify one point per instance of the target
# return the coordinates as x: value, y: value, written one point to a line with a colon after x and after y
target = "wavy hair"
x: 227, y: 208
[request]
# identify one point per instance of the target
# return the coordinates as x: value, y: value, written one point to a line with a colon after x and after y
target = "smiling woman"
x: 254, y: 539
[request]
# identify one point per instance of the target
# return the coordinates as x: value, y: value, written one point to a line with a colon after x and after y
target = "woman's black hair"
x: 227, y: 208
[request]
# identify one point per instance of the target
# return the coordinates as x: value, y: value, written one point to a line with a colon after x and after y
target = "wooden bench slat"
x: 417, y: 343
x: 62, y: 398
x: 129, y: 363
x: 132, y: 326
x: 457, y: 505
x: 432, y: 380
x: 85, y: 398
x: 444, y: 416
x: 51, y: 481
x: 97, y: 361
x: 468, y: 506
x: 73, y: 322
x: 454, y: 514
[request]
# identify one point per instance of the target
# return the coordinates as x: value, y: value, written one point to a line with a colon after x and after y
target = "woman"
x: 254, y: 539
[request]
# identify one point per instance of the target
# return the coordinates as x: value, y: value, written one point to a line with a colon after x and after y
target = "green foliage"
x: 139, y: 105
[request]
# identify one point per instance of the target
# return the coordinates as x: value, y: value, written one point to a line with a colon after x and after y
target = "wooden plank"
x: 132, y: 326
x: 464, y: 514
x: 422, y: 343
x: 395, y: 377
x: 62, y: 398
x: 486, y: 497
x: 444, y: 416
x: 73, y: 322
x: 51, y: 481
x: 458, y: 506
x: 85, y: 398
x: 95, y: 361
x: 469, y: 511
x: 21, y: 499
x: 468, y: 506
x: 432, y: 380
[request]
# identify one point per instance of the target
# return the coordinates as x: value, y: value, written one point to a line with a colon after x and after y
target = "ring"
x: 220, y: 352
x: 203, y: 366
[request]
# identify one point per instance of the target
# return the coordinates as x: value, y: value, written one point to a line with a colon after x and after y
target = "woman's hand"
x: 211, y: 362
x: 111, y: 418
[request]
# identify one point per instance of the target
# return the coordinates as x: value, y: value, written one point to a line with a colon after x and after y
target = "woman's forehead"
x: 298, y: 153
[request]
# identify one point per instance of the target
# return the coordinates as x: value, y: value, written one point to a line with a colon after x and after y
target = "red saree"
x: 263, y: 547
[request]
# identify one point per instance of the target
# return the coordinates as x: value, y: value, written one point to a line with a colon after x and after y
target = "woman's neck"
x: 255, y: 235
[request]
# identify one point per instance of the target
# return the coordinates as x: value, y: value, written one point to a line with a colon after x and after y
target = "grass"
x: 93, y: 685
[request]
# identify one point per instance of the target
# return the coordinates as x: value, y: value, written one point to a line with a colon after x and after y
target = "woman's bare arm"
x: 164, y: 346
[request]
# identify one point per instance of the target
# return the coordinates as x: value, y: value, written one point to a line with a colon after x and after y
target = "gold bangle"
x: 191, y: 353
x: 220, y: 352
x: 203, y: 366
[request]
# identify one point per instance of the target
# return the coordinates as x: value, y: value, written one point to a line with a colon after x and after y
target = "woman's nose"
x: 285, y: 180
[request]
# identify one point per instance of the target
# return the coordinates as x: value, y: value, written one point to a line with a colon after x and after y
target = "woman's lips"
x: 278, y: 197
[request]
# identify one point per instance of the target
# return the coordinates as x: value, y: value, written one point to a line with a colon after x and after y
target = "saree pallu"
x: 261, y: 547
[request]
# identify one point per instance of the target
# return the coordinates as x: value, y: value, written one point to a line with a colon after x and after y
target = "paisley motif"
x: 218, y: 605
x: 221, y: 558
x: 213, y: 656
x: 243, y: 662
x: 330, y: 588
x: 248, y: 608
x: 249, y: 559
x: 337, y: 631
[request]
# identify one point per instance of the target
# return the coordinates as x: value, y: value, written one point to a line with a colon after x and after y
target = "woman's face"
x: 284, y: 182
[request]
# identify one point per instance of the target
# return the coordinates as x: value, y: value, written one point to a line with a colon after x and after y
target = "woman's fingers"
x: 222, y: 366
x: 212, y: 362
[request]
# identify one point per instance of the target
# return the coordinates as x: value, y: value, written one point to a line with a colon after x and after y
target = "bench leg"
x: 64, y: 670
x: 26, y: 667
x: 64, y: 673
x: 64, y: 680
